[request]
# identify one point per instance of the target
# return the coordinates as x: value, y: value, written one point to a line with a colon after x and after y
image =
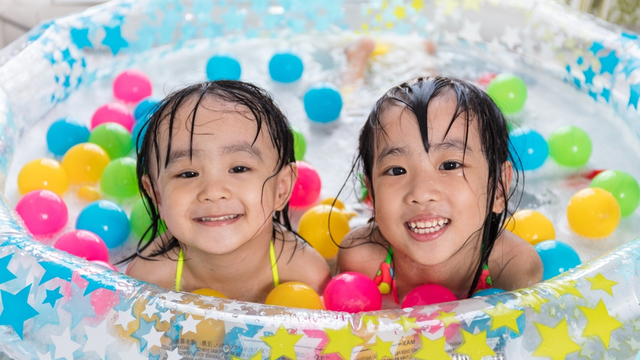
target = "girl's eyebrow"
x: 391, y: 150
x: 183, y: 153
x: 451, y: 144
x: 243, y: 147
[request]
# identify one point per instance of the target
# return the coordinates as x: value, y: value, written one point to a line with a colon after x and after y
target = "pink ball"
x: 131, y: 86
x: 306, y: 189
x: 84, y: 244
x: 105, y: 264
x: 43, y: 212
x: 352, y: 292
x: 428, y: 294
x: 112, y: 112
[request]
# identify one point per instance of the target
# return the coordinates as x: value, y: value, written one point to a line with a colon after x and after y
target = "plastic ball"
x: 528, y: 148
x: 119, y: 179
x: 333, y: 202
x: 531, y: 226
x: 138, y: 133
x: 352, y: 292
x: 295, y: 294
x: 306, y: 189
x: 570, y: 146
x: 107, y: 220
x: 428, y: 294
x: 557, y: 257
x: 210, y: 292
x: 145, y: 108
x: 593, y: 213
x: 299, y: 144
x: 509, y: 92
x: 131, y: 86
x: 65, y: 133
x: 43, y: 174
x: 141, y: 221
x: 622, y: 186
x: 105, y: 264
x: 223, y: 67
x: 112, y: 138
x: 43, y: 212
x: 285, y: 67
x: 88, y: 193
x: 323, y: 228
x: 84, y: 163
x: 84, y: 244
x: 323, y: 102
x: 112, y: 112
x: 488, y: 292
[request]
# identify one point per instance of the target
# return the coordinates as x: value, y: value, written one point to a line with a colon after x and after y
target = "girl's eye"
x: 450, y: 165
x: 188, y: 174
x: 239, y: 169
x: 395, y: 171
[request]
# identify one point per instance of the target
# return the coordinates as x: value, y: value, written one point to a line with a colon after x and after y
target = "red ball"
x: 428, y: 294
x: 43, y: 212
x: 112, y: 112
x: 84, y: 244
x: 352, y: 292
x: 306, y: 189
x: 131, y: 86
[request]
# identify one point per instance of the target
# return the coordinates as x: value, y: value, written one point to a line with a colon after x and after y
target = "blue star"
x: 5, y: 274
x: 79, y: 306
x: 66, y: 56
x: 605, y: 94
x: 49, y: 56
x: 580, y: 60
x: 67, y: 81
x: 154, y: 357
x: 627, y: 269
x: 174, y: 332
x: 123, y: 304
x: 232, y: 338
x: 634, y: 95
x: 568, y: 68
x: 22, y: 272
x: 630, y: 66
x: 588, y: 76
x: 98, y: 281
x: 80, y: 37
x: 54, y: 270
x: 595, y: 47
x: 48, y: 314
x: 576, y: 82
x: 143, y: 329
x: 114, y: 40
x: 53, y: 296
x: 626, y: 37
x: 593, y: 95
x: 16, y: 310
x: 609, y: 62
x: 193, y: 348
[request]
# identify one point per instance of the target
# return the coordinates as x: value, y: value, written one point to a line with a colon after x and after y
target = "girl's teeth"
x: 428, y: 227
x: 221, y: 218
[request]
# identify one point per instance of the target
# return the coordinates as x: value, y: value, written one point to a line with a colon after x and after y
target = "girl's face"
x: 220, y: 199
x: 428, y: 204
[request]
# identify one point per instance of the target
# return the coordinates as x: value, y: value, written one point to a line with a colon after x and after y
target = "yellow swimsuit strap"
x: 179, y: 270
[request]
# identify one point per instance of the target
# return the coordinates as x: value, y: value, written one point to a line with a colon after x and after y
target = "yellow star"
x: 381, y: 348
x: 555, y: 342
x: 417, y: 5
x: 599, y: 282
x: 408, y: 323
x: 449, y: 6
x: 431, y: 349
x: 503, y: 316
x: 563, y: 287
x: 447, y: 318
x: 342, y: 342
x: 475, y: 346
x: 399, y: 12
x: 281, y: 343
x: 599, y: 322
x: 532, y: 300
x: 471, y: 4
x: 256, y: 356
x: 369, y: 318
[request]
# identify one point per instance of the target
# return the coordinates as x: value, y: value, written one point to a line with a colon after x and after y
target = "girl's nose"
x: 424, y: 188
x: 213, y: 191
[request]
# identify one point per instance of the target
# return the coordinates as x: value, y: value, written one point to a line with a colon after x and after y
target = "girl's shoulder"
x: 514, y: 263
x: 363, y: 250
x: 159, y: 270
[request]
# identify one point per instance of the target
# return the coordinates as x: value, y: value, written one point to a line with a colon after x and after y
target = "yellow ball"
x: 295, y: 295
x: 43, y: 174
x: 531, y: 226
x: 210, y: 292
x: 84, y: 163
x: 89, y: 193
x: 593, y: 213
x: 314, y: 227
x: 329, y: 201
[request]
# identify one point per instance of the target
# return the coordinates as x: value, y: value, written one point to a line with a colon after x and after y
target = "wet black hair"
x: 472, y: 104
x: 265, y: 113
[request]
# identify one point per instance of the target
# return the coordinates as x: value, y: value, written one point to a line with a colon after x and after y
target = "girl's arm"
x: 515, y: 263
x: 361, y: 251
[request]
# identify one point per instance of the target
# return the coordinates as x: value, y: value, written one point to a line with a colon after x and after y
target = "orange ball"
x: 43, y: 174
x: 210, y: 292
x: 85, y: 163
x: 295, y: 295
x: 314, y: 228
x: 593, y: 213
x: 531, y: 226
x: 89, y: 193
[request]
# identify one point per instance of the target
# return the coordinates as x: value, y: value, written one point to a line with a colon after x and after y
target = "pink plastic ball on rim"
x: 428, y: 294
x: 112, y: 112
x: 352, y: 292
x: 131, y: 86
x: 105, y: 264
x: 43, y: 212
x: 306, y: 189
x: 84, y: 244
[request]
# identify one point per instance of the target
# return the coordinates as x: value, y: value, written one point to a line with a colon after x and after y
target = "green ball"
x: 114, y: 138
x: 509, y: 92
x: 119, y: 179
x: 140, y: 220
x: 569, y: 146
x: 299, y: 144
x: 622, y: 186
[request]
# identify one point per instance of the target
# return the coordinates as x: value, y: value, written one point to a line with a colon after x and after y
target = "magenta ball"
x: 84, y: 244
x: 112, y: 112
x: 306, y: 189
x: 352, y: 292
x: 131, y: 86
x: 43, y: 212
x: 428, y: 294
x: 105, y: 264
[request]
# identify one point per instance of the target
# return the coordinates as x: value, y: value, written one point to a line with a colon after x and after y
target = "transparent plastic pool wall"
x: 591, y: 311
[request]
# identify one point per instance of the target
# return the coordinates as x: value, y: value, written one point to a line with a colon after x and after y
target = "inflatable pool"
x: 579, y: 70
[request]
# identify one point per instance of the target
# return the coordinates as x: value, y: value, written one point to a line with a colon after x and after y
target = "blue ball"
x: 223, y: 67
x: 139, y: 130
x: 557, y: 257
x: 107, y: 220
x: 285, y: 67
x: 145, y: 108
x: 323, y: 102
x: 64, y: 134
x: 487, y: 292
x: 529, y: 147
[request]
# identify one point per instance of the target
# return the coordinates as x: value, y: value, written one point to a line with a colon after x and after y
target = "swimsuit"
x: 386, y: 282
x: 272, y: 257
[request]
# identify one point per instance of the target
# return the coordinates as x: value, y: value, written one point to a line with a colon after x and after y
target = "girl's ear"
x: 503, y: 189
x: 286, y: 178
x: 155, y: 196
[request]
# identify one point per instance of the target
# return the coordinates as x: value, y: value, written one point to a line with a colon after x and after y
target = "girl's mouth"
x: 219, y: 218
x: 427, y: 227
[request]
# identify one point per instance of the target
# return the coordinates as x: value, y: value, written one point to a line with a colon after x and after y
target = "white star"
x: 46, y: 356
x: 511, y: 37
x: 133, y: 353
x: 124, y: 318
x: 166, y: 316
x: 64, y: 345
x: 173, y: 355
x: 149, y: 310
x: 153, y: 338
x: 471, y: 32
x: 559, y: 40
x: 170, y: 295
x: 633, y: 344
x: 189, y: 325
x: 211, y: 314
x: 233, y: 306
x: 546, y: 51
x: 614, y: 344
x: 98, y: 339
x: 449, y: 37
